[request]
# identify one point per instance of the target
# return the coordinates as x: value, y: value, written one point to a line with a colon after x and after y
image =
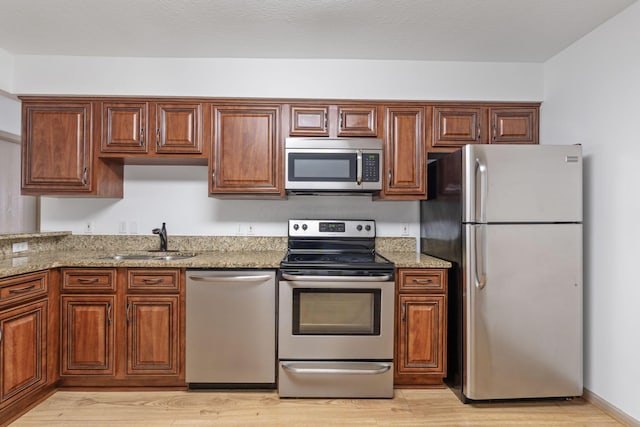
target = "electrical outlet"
x: 250, y: 230
x: 122, y: 227
x: 20, y: 247
x: 88, y: 227
x: 133, y: 227
x: 405, y: 230
x: 239, y: 230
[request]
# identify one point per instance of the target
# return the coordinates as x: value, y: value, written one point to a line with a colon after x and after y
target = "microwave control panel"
x: 370, y: 167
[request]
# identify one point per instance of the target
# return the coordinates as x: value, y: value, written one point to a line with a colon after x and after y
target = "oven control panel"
x: 332, y: 228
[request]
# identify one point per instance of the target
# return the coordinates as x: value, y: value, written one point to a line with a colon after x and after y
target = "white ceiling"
x: 450, y: 30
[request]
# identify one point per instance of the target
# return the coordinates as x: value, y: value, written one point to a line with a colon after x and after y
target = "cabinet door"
x: 514, y: 125
x: 152, y: 335
x: 405, y: 153
x: 23, y: 357
x: 124, y: 127
x: 421, y: 343
x: 87, y: 335
x: 247, y: 154
x: 309, y: 120
x: 454, y: 127
x: 179, y: 128
x: 357, y: 121
x: 56, y: 150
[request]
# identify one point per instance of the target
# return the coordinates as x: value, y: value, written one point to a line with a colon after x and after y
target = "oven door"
x: 336, y: 317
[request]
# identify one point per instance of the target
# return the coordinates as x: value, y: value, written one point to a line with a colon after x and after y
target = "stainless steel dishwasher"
x: 231, y: 329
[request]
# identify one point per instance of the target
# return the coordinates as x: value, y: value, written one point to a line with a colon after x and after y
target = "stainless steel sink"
x: 150, y: 257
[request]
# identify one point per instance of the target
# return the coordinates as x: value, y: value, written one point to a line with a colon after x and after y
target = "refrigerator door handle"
x: 480, y: 255
x: 481, y: 167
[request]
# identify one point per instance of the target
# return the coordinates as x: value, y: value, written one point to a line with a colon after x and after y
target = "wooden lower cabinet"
x: 23, y: 351
x: 421, y: 327
x: 130, y: 337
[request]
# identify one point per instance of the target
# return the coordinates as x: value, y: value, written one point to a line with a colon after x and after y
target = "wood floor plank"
x: 437, y: 407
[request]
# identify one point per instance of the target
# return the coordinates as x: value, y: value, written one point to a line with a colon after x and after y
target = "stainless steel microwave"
x: 333, y: 165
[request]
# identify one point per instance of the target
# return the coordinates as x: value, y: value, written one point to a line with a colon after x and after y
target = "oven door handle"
x: 379, y: 368
x: 383, y: 278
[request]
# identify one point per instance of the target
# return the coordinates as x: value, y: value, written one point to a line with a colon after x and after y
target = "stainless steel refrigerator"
x: 510, y: 219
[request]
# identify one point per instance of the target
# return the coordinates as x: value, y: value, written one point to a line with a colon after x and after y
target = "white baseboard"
x: 608, y: 408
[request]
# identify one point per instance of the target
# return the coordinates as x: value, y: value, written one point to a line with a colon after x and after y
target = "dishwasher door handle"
x: 234, y: 279
x: 376, y: 369
x: 383, y: 278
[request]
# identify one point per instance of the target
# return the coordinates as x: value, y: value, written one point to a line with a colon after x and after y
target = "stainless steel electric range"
x: 336, y: 303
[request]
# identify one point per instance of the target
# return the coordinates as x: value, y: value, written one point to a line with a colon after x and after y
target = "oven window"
x: 336, y: 311
x: 322, y: 167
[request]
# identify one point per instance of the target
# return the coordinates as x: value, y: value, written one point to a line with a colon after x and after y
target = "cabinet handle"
x: 158, y: 137
x: 422, y: 281
x: 88, y: 280
x: 109, y: 314
x: 151, y: 281
x: 213, y: 177
x: 341, y: 119
x: 141, y: 137
x: 84, y: 176
x: 390, y: 178
x: 479, y: 133
x: 404, y: 312
x: 494, y: 131
x: 326, y: 121
x: 21, y: 290
x: 128, y: 307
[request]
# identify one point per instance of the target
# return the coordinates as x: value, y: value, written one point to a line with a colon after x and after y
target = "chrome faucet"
x: 162, y: 233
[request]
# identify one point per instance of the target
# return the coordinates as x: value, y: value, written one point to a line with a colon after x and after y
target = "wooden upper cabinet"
x: 309, y: 120
x: 247, y: 151
x: 178, y: 128
x: 456, y: 126
x: 405, y: 153
x: 514, y: 125
x: 57, y: 150
x: 151, y: 128
x: 333, y: 120
x: 124, y: 127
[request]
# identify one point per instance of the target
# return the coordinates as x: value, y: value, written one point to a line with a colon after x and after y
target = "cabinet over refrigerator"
x: 510, y: 219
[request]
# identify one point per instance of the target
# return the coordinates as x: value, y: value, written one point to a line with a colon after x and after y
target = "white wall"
x: 305, y: 78
x: 592, y: 93
x: 178, y: 195
x: 6, y: 71
x: 10, y: 115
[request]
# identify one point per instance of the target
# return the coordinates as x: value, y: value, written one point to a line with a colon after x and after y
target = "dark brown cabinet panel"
x: 57, y: 151
x: 152, y: 335
x: 153, y: 279
x: 247, y: 151
x: 124, y: 127
x: 457, y: 126
x: 309, y: 120
x: 87, y: 345
x: 421, y: 327
x: 179, y: 128
x: 405, y: 153
x: 23, y: 287
x: 514, y: 125
x: 357, y: 121
x: 88, y: 279
x: 23, y: 351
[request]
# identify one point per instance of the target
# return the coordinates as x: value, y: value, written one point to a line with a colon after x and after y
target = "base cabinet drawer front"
x: 23, y: 287
x: 152, y: 335
x: 23, y: 351
x: 162, y: 280
x: 421, y: 281
x: 89, y: 279
x: 87, y: 335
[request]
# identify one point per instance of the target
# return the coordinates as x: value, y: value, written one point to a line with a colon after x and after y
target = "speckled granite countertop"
x: 211, y: 259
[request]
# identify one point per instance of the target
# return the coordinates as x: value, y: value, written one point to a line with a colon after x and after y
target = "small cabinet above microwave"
x: 333, y: 120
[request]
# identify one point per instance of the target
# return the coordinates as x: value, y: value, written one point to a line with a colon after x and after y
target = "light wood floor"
x: 242, y: 408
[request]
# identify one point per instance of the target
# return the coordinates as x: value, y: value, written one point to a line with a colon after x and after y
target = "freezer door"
x: 522, y: 183
x: 522, y: 311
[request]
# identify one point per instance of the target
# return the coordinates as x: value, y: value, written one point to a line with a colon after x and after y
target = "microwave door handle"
x: 359, y: 168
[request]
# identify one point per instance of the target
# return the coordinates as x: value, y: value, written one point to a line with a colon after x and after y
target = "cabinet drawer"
x: 423, y: 280
x: 89, y: 279
x: 163, y: 280
x: 23, y: 287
